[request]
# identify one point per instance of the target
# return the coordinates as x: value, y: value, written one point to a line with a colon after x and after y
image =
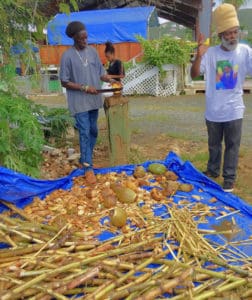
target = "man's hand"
x: 107, y: 78
x: 202, y: 45
x: 91, y: 90
x: 201, y: 50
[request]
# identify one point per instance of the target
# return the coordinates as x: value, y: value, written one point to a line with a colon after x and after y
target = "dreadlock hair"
x: 74, y: 27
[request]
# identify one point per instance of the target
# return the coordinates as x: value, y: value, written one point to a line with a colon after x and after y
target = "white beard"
x: 230, y: 46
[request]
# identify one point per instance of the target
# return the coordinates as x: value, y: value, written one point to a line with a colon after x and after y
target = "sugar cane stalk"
x: 111, y: 286
x: 8, y: 239
x: 76, y: 282
x: 15, y: 209
x: 166, y: 286
x: 23, y: 235
x: 47, y: 275
x: 224, y: 288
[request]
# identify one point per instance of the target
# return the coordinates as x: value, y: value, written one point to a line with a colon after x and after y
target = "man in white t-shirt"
x: 225, y: 67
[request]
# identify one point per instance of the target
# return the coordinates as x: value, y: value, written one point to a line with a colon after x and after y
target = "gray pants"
x: 231, y: 133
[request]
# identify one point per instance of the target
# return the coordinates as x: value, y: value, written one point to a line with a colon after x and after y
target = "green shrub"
x: 21, y: 136
x: 166, y: 50
x: 56, y: 120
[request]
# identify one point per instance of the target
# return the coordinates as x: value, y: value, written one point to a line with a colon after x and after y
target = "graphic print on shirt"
x: 226, y: 75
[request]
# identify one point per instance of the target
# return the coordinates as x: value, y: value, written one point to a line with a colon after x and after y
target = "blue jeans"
x: 86, y: 123
x: 230, y: 132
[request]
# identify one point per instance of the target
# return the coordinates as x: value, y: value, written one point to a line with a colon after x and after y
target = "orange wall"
x: 51, y: 55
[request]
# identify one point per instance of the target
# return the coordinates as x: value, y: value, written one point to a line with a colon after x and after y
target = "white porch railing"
x: 146, y: 80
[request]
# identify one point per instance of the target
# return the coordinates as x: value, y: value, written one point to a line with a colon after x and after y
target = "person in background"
x: 81, y: 73
x: 115, y: 68
x: 225, y: 67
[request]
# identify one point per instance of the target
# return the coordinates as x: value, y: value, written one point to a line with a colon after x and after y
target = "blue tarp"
x: 114, y: 25
x: 20, y: 49
x: 19, y: 189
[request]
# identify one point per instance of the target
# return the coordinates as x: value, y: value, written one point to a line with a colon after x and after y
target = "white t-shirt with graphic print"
x: 225, y: 73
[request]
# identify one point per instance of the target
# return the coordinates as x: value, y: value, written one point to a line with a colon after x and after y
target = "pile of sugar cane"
x: 149, y: 258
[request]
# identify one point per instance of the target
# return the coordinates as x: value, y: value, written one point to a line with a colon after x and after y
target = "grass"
x: 153, y: 118
x: 136, y: 131
x: 185, y: 137
x: 199, y: 160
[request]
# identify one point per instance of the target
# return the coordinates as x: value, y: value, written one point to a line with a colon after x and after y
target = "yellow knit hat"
x: 225, y: 17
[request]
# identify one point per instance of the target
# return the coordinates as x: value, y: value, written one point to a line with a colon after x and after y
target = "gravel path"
x: 179, y: 116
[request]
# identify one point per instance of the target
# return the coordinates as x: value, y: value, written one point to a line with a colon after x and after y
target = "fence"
x: 146, y: 79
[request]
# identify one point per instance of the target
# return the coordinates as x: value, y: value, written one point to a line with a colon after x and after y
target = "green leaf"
x: 21, y: 136
x: 166, y: 50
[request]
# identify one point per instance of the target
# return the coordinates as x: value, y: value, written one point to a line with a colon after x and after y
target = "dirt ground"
x: 158, y: 126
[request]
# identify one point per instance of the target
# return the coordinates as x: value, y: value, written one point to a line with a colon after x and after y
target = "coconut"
x: 118, y: 217
x: 157, y: 168
x: 170, y: 175
x: 124, y: 194
x: 139, y: 172
x: 116, y: 186
x: 185, y: 187
x: 109, y: 201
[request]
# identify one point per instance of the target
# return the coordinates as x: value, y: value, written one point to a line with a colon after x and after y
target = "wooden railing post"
x: 116, y: 110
